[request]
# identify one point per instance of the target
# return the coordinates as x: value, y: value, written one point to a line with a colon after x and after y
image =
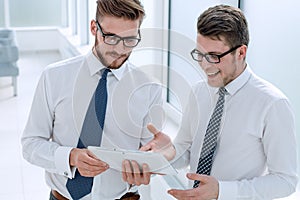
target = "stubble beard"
x: 113, y: 64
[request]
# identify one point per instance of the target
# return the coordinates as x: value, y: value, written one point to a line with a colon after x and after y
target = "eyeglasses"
x: 113, y: 39
x: 211, y: 58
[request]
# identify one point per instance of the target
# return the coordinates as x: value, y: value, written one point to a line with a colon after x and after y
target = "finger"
x: 128, y: 172
x: 179, y: 194
x: 124, y: 176
x: 99, y: 171
x: 152, y: 145
x: 87, y: 168
x: 88, y: 173
x: 146, y: 174
x: 152, y: 129
x: 136, y: 173
x: 135, y: 167
x: 84, y: 173
x: 91, y: 163
x: 89, y: 158
x: 97, y: 164
x: 147, y: 147
x: 91, y: 154
x: 174, y: 194
x: 199, y: 177
x: 94, y: 160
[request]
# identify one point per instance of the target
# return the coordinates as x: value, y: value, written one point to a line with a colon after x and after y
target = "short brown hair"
x: 224, y: 21
x: 127, y: 9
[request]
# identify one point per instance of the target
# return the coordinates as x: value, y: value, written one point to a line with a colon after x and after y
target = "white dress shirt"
x: 57, y: 115
x: 256, y: 154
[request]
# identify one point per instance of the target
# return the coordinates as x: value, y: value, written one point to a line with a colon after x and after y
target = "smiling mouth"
x: 210, y: 74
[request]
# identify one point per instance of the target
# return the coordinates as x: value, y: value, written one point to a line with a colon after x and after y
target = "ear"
x: 93, y: 27
x: 242, y: 51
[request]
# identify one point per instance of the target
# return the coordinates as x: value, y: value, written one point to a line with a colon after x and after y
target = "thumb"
x: 91, y: 154
x: 152, y: 129
x: 197, y: 177
x: 151, y: 144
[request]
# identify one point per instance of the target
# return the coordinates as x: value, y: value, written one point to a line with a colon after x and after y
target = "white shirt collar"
x: 95, y: 66
x: 239, y: 82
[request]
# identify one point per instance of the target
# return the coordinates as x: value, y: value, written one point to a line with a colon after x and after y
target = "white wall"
x: 148, y: 54
x: 274, y: 45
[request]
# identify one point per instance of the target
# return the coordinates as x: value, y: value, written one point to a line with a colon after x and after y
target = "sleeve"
x: 37, y: 147
x: 155, y: 113
x: 187, y: 131
x: 279, y: 143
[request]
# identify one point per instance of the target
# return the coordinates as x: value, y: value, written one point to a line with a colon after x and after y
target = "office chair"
x: 9, y: 54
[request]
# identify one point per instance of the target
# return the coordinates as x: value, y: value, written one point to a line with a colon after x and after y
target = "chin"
x: 117, y: 64
x: 114, y: 66
x: 215, y: 84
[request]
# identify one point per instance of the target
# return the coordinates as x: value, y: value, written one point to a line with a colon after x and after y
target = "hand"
x: 207, y: 190
x: 160, y: 143
x: 87, y: 163
x: 132, y: 174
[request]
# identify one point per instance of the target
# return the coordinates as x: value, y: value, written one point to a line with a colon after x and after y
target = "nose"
x: 120, y: 47
x: 204, y: 64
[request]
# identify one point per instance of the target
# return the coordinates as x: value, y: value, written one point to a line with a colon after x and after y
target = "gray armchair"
x: 9, y: 55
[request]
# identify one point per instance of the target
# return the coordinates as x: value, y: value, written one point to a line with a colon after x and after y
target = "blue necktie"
x: 210, y: 139
x: 91, y: 135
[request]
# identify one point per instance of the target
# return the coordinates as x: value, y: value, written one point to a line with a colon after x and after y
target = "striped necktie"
x: 210, y: 139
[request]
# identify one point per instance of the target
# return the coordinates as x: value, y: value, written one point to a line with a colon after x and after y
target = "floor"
x: 19, y: 179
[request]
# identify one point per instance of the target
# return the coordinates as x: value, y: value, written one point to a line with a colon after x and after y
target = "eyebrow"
x: 210, y: 52
x: 114, y: 34
x: 108, y: 33
x: 215, y: 53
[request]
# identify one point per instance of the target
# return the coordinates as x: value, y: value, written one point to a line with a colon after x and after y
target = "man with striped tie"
x: 237, y: 132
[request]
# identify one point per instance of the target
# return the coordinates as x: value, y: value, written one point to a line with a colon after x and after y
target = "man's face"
x: 113, y: 56
x: 230, y: 66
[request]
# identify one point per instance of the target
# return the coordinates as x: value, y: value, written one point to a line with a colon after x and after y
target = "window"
x: 2, y: 24
x: 91, y: 16
x: 35, y: 13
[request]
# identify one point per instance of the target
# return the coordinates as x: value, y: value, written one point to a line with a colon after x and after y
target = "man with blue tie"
x: 98, y: 99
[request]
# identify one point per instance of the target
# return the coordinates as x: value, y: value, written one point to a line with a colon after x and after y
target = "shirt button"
x: 66, y: 173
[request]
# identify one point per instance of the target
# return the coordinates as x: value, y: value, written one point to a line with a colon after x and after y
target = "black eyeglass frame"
x: 119, y: 38
x: 206, y: 56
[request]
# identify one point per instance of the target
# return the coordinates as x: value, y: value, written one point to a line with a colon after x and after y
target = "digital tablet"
x: 114, y: 157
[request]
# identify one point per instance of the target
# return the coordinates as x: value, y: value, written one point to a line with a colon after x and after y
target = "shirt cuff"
x: 227, y: 190
x: 62, y: 157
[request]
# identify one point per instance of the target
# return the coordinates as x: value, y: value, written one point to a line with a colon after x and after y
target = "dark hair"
x: 127, y: 9
x: 224, y: 21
